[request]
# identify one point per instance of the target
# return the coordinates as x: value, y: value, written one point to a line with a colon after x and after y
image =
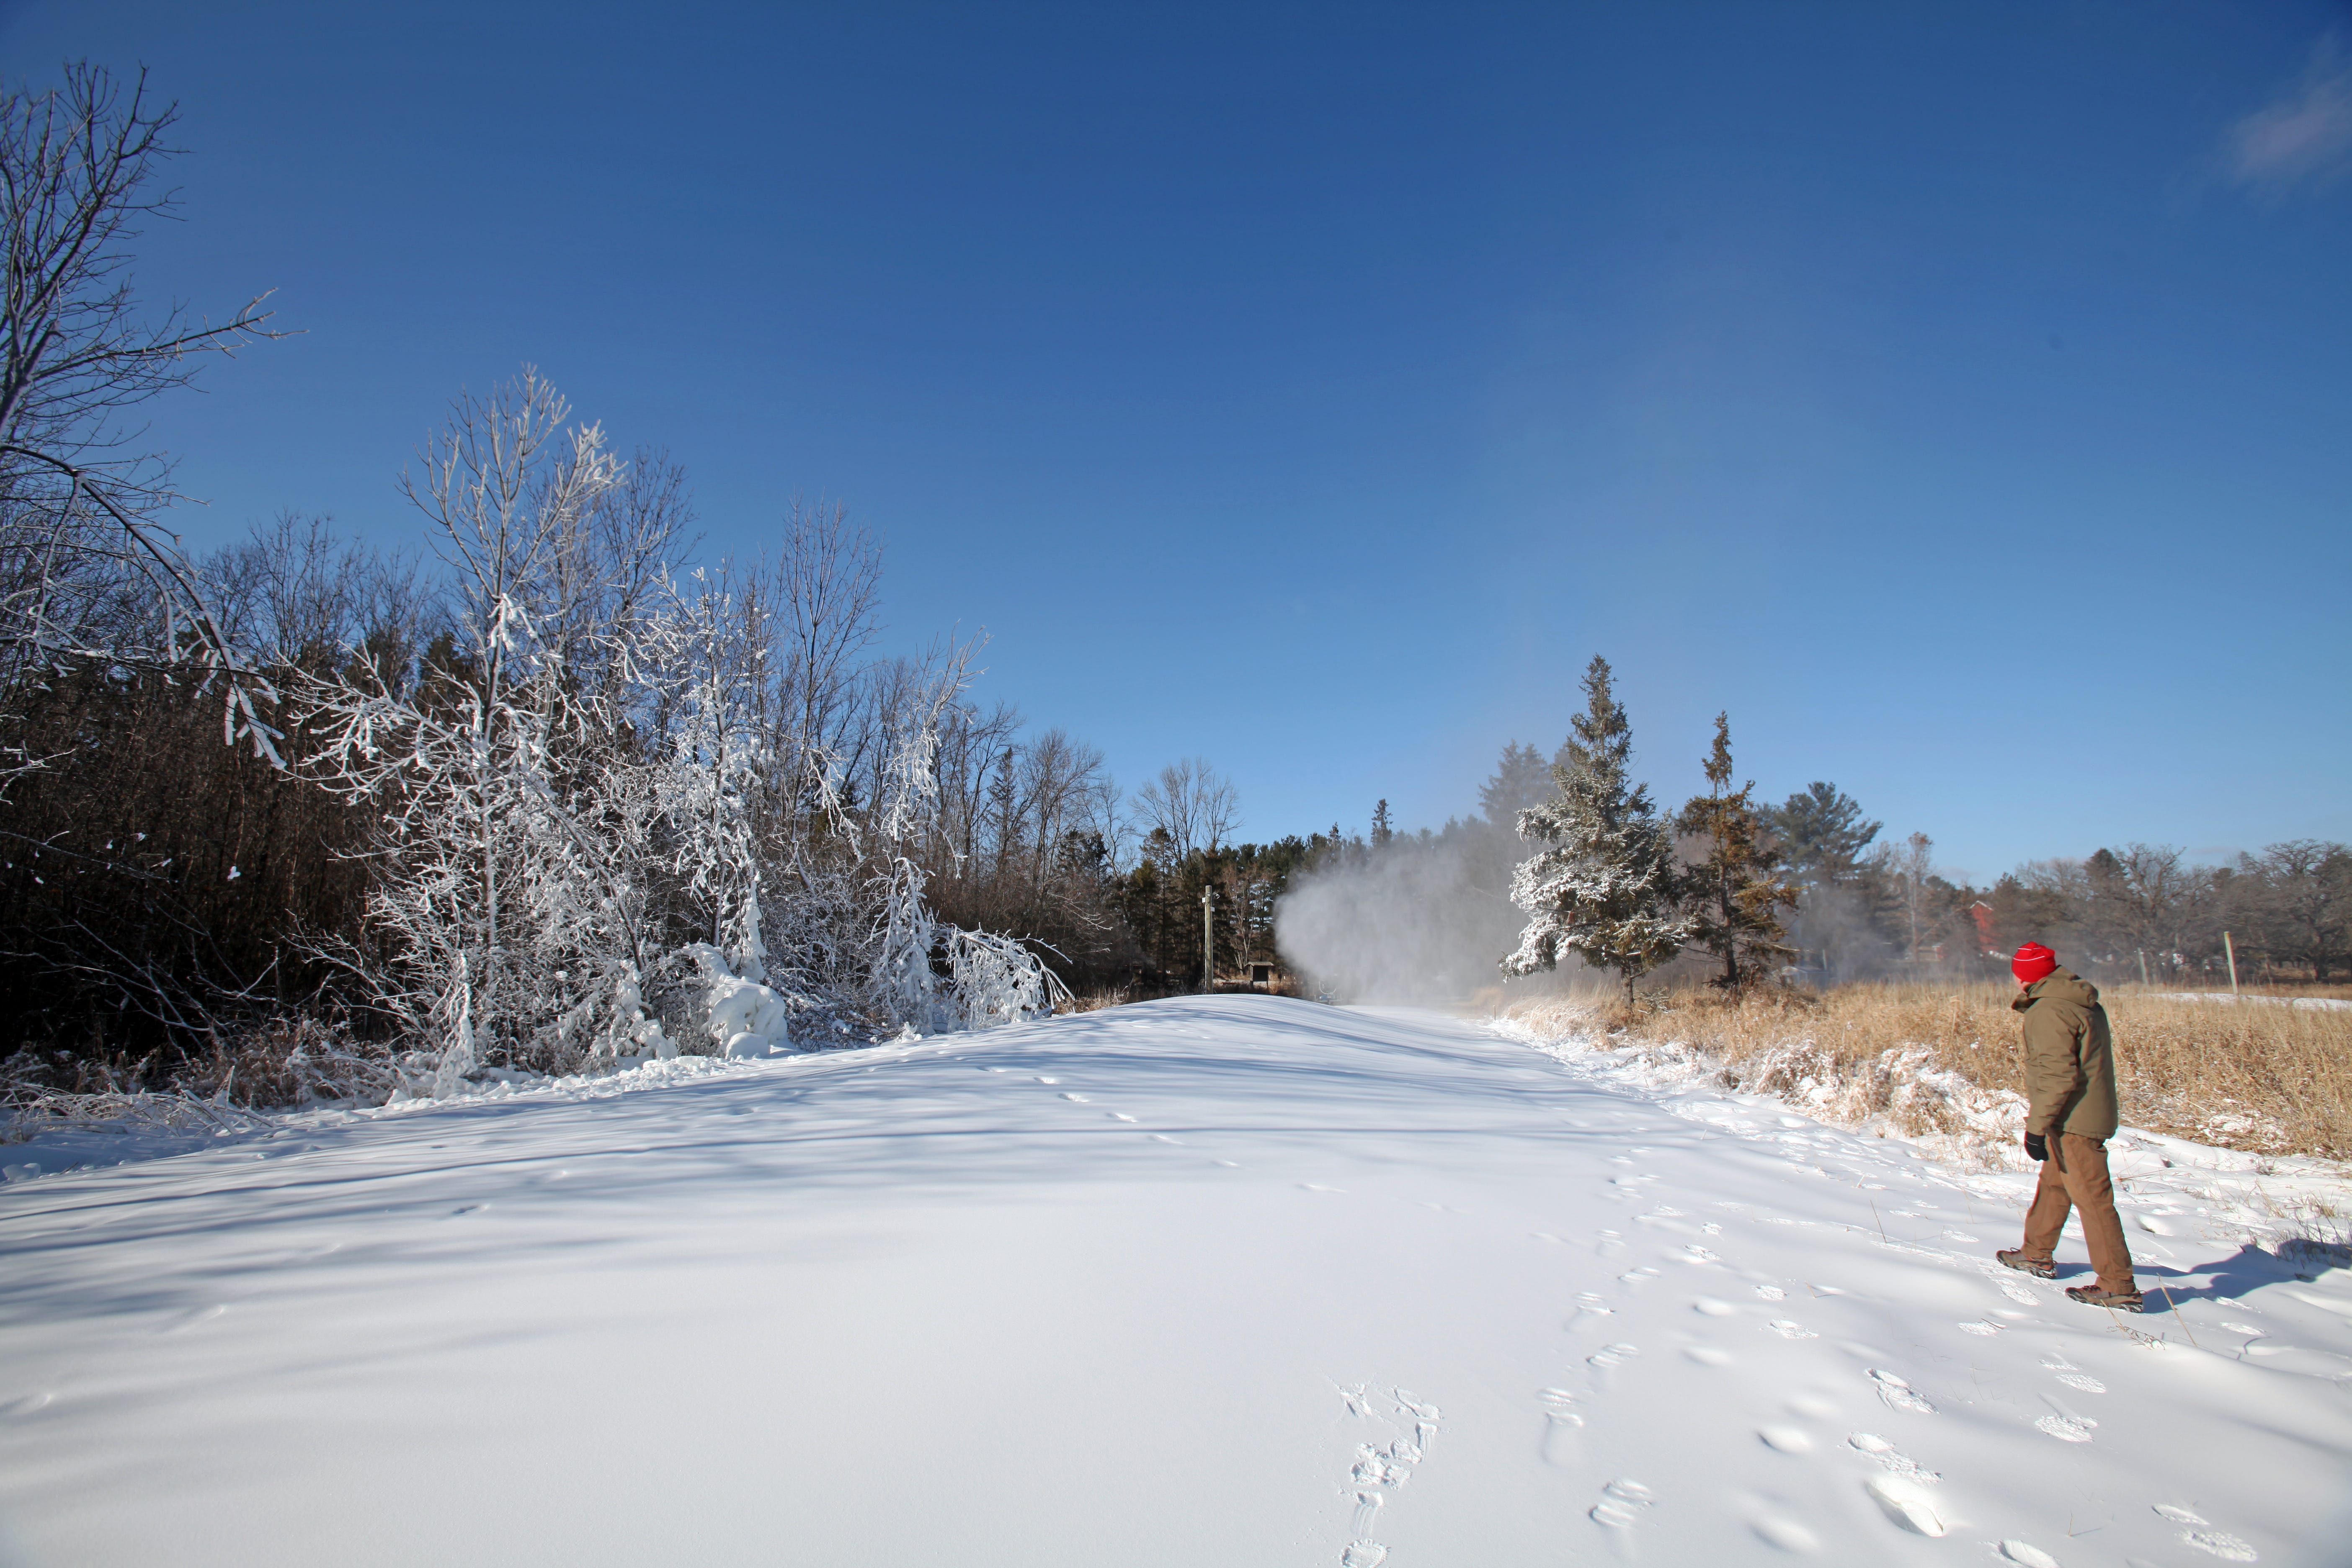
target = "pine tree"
x: 1606, y: 887
x: 1520, y: 780
x: 1382, y: 830
x: 1736, y: 889
x: 1823, y: 833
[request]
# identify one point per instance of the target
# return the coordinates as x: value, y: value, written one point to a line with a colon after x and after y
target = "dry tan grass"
x: 2265, y: 1078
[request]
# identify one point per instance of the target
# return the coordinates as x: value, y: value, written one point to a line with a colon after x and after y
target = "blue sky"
x: 1960, y: 396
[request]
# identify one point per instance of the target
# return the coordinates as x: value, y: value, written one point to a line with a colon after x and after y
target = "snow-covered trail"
x: 1228, y: 1282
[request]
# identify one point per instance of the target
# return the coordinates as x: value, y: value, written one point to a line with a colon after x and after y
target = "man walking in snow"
x: 2070, y: 1082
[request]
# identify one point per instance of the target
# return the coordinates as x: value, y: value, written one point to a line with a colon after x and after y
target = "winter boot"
x: 2040, y: 1268
x: 2092, y: 1296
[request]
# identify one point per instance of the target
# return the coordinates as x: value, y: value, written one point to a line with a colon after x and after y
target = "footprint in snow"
x: 2082, y: 1380
x: 1890, y: 1458
x: 1560, y: 1424
x: 1620, y: 1504
x: 1049, y: 1080
x: 1641, y: 1276
x: 1785, y: 1439
x: 1789, y: 1329
x: 1787, y: 1534
x: 1697, y: 1254
x: 1708, y: 1355
x: 2066, y: 1428
x: 2218, y: 1544
x: 1907, y: 1504
x: 1899, y: 1394
x: 2026, y: 1556
x: 2018, y: 1293
x: 1708, y: 1306
x: 1079, y: 1099
x: 1612, y: 1355
x: 1772, y: 1292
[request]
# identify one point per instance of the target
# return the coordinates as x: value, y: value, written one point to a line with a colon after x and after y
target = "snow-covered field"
x: 1212, y: 1282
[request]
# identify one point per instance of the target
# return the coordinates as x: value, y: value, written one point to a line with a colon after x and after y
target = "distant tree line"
x: 1568, y: 859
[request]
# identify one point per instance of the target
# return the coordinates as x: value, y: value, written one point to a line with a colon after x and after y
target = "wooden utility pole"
x: 1208, y: 943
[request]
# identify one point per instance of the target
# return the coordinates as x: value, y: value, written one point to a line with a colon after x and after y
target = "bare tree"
x: 1915, y: 863
x: 1189, y: 804
x: 77, y: 500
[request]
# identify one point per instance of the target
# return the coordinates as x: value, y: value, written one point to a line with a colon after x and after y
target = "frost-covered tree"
x: 1605, y: 887
x: 513, y: 907
x: 1737, y: 888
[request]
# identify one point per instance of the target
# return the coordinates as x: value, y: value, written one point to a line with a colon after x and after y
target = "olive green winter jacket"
x: 2069, y: 1058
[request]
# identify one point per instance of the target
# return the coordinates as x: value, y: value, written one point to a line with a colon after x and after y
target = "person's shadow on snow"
x: 2247, y: 1269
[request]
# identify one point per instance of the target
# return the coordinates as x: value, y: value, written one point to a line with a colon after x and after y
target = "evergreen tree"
x: 1382, y: 830
x: 1520, y: 780
x: 1605, y: 888
x: 1822, y: 835
x: 1738, y: 885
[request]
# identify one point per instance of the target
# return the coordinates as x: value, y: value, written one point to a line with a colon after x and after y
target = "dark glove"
x: 2036, y: 1146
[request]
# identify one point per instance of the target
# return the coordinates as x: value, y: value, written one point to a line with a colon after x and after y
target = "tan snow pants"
x: 2075, y: 1177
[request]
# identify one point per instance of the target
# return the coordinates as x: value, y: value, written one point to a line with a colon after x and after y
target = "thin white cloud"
x: 2304, y: 135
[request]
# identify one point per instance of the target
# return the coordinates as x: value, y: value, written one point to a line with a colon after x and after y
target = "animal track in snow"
x: 1120, y: 1116
x: 2026, y: 1556
x: 1697, y: 1254
x: 1772, y: 1292
x: 1899, y: 1394
x: 2083, y: 1381
x: 1079, y: 1099
x: 1377, y: 1471
x: 1612, y: 1355
x: 1641, y: 1276
x: 2066, y: 1428
x: 1591, y: 1302
x: 1044, y: 1079
x: 1709, y: 1228
x: 1788, y: 1330
x: 1981, y: 1328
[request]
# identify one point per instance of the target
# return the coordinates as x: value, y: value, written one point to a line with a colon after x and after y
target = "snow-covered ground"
x: 1213, y: 1282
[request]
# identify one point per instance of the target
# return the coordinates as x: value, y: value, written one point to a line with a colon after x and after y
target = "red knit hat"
x: 2032, y: 963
